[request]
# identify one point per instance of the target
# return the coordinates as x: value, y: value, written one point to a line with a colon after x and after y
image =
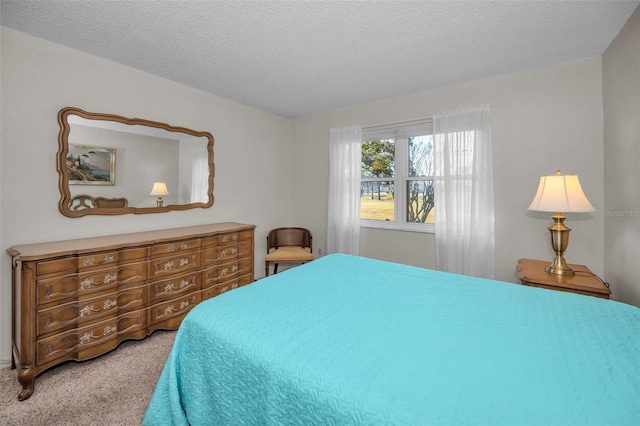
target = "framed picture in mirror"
x: 91, y: 165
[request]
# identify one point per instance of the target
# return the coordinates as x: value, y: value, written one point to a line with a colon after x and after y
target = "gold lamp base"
x: 559, y: 242
x: 559, y: 267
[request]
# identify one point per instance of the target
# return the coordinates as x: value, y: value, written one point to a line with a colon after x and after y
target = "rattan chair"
x: 288, y: 246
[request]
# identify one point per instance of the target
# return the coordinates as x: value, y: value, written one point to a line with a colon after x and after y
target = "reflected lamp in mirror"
x: 560, y: 193
x: 159, y: 189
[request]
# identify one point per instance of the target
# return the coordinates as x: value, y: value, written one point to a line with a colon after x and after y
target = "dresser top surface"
x: 110, y: 242
x: 532, y: 270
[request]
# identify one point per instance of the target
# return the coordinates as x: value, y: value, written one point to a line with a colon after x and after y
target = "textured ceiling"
x: 295, y: 58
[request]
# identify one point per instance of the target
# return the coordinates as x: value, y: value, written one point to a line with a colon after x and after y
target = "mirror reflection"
x: 113, y: 165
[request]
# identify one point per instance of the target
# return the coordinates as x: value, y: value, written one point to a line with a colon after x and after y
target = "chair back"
x: 110, y: 203
x: 81, y: 202
x: 292, y: 237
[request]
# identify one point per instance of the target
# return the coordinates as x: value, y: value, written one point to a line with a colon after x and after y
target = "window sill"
x: 405, y: 227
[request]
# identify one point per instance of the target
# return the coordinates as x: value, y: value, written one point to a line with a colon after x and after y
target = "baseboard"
x: 5, y: 363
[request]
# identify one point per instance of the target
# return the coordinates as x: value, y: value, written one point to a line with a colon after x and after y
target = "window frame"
x: 400, y: 132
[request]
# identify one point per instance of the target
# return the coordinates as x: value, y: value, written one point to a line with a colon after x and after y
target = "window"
x: 397, y: 177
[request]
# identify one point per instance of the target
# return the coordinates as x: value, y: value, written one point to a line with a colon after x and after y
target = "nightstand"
x: 531, y: 272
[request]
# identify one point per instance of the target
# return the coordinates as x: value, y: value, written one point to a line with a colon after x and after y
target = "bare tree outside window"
x: 420, y: 196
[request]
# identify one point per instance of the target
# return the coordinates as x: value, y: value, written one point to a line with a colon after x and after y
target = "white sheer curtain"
x: 343, y: 225
x: 200, y: 176
x: 465, y: 237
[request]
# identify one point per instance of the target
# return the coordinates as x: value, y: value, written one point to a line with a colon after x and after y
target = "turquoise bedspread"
x: 345, y: 340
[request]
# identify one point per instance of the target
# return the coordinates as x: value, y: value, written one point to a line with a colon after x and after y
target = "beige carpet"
x: 114, y: 389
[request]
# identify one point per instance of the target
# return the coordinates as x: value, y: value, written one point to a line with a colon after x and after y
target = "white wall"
x: 542, y: 120
x: 39, y: 78
x: 621, y: 93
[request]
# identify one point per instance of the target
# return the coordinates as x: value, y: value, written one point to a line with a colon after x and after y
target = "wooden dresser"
x: 78, y: 299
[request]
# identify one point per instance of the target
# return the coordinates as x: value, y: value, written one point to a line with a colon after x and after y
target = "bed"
x: 355, y: 341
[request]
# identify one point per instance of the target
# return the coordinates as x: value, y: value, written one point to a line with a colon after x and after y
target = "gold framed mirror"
x: 109, y: 165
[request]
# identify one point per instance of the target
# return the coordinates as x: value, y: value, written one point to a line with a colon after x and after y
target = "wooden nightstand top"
x: 584, y: 281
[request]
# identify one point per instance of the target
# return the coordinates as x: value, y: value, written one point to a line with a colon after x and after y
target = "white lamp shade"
x: 560, y: 193
x: 159, y: 188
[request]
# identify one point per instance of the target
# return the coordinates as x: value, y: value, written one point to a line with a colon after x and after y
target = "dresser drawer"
x: 172, y: 288
x: 132, y: 325
x: 68, y: 344
x: 220, y: 273
x: 245, y: 248
x: 97, y: 260
x: 94, y: 281
x: 173, y: 309
x: 132, y: 298
x: 160, y: 267
x: 229, y: 238
x: 221, y: 239
x: 61, y: 316
x: 131, y: 254
x: 57, y: 288
x: 215, y: 290
x: 175, y: 247
x: 216, y: 255
x: 64, y: 264
x: 245, y: 236
x: 210, y: 241
x: 218, y: 289
x: 131, y: 274
x: 245, y: 279
x: 245, y: 266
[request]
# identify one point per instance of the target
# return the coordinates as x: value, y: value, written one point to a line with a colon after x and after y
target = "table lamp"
x: 159, y: 189
x: 560, y: 193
